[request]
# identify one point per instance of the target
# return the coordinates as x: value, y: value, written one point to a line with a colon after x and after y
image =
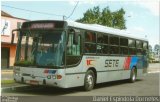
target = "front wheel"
x: 89, y: 80
x: 133, y: 75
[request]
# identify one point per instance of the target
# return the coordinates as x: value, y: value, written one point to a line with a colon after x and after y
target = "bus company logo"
x: 90, y: 62
x: 46, y: 71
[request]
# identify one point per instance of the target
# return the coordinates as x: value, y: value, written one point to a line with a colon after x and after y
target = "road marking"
x: 154, y: 72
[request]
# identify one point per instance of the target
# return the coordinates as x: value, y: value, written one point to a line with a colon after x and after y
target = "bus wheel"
x: 89, y: 80
x: 133, y: 75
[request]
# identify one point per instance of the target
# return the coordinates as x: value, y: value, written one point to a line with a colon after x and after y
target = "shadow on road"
x: 53, y: 91
x: 114, y: 83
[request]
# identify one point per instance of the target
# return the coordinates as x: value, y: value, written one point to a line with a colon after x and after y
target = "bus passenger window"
x: 124, y: 50
x: 102, y: 49
x: 90, y: 37
x: 90, y: 48
x: 145, y: 45
x: 139, y: 51
x: 114, y: 50
x: 132, y: 51
x: 139, y: 44
x: 131, y: 43
x: 114, y: 40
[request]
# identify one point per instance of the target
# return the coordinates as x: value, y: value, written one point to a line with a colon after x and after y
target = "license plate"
x: 33, y: 82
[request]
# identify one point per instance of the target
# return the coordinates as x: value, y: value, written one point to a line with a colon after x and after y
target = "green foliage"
x: 7, y: 82
x: 157, y: 48
x: 106, y: 17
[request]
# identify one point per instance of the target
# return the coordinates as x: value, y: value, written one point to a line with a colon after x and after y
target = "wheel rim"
x: 134, y: 77
x: 89, y: 81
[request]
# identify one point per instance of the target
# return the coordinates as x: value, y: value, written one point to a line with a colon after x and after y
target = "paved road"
x: 148, y: 86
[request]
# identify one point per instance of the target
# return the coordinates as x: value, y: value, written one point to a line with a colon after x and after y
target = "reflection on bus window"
x: 131, y: 43
x: 102, y: 49
x: 139, y: 44
x: 90, y: 37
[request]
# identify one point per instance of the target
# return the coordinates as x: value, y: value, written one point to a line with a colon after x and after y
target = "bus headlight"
x: 54, y: 76
x: 18, y: 74
x: 57, y: 76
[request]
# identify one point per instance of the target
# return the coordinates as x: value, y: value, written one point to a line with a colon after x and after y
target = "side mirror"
x: 13, y: 35
x: 75, y: 33
x: 75, y: 38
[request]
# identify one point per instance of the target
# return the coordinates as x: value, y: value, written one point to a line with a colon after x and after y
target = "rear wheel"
x: 133, y: 75
x: 89, y: 80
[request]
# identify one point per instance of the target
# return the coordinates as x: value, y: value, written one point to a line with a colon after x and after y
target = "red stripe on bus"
x: 127, y: 63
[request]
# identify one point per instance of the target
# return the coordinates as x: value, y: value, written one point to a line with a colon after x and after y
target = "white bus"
x: 69, y: 54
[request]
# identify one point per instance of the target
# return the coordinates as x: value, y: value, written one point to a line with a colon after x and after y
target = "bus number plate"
x: 33, y: 82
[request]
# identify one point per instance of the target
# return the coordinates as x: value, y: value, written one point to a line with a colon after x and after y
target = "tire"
x: 133, y: 75
x: 89, y: 80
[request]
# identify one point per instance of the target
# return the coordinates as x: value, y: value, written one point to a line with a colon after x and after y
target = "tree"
x: 150, y: 48
x: 150, y: 53
x: 157, y: 49
x: 106, y: 17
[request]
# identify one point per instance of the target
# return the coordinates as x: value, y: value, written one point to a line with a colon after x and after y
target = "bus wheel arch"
x: 133, y: 74
x: 90, y: 79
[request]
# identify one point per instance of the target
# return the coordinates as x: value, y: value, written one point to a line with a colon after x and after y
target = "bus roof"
x: 103, y: 29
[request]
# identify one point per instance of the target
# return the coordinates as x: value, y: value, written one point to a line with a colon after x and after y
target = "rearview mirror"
x: 75, y: 39
x: 75, y: 33
x: 13, y: 35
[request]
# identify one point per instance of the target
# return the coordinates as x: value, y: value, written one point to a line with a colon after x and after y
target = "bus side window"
x: 90, y: 42
x: 90, y: 48
x: 73, y: 50
x: 90, y: 37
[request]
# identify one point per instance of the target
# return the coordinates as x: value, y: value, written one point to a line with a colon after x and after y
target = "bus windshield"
x: 42, y: 48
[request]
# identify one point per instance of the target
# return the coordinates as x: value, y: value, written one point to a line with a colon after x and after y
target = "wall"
x: 6, y: 36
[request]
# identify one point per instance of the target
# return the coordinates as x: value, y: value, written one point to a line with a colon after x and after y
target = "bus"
x: 70, y: 54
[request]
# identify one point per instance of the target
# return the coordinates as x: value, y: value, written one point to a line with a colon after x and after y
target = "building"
x: 8, y: 23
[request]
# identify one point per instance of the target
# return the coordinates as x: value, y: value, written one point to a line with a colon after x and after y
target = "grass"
x: 7, y: 81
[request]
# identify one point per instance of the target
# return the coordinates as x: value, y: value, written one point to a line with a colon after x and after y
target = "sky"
x: 142, y: 16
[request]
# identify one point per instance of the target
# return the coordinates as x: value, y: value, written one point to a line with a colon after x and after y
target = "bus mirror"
x: 75, y: 33
x: 13, y: 35
x: 12, y: 40
x: 75, y: 39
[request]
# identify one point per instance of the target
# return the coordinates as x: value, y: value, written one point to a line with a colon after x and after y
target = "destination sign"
x: 42, y: 25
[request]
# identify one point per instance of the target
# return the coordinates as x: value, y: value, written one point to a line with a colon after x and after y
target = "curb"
x: 6, y: 71
x: 154, y: 72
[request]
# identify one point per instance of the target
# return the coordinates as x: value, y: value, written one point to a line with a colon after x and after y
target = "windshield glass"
x: 41, y: 48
